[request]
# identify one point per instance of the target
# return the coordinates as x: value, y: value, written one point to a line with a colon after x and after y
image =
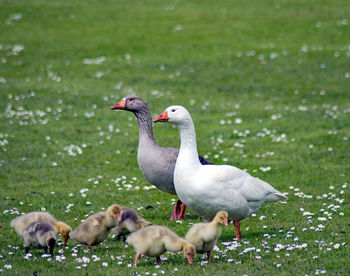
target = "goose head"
x: 64, y: 230
x: 175, y: 114
x: 130, y: 103
x: 114, y: 211
x: 221, y: 218
x: 189, y: 252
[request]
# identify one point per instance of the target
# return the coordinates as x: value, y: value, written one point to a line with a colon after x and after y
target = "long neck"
x: 188, y: 147
x: 145, y: 126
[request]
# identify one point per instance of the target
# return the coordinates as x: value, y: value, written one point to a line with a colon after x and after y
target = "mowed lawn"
x: 267, y: 85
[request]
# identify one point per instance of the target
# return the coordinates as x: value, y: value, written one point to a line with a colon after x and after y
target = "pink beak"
x: 118, y: 217
x: 163, y: 117
x: 120, y: 105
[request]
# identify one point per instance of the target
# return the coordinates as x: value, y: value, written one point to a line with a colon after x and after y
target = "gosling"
x: 154, y: 240
x: 39, y: 234
x: 130, y: 222
x: 96, y: 228
x: 204, y: 236
x: 21, y: 222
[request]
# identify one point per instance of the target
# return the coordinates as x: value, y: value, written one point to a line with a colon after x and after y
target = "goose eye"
x: 173, y: 110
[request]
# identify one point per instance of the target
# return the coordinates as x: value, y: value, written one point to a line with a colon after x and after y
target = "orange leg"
x: 238, y: 229
x: 178, y: 211
x: 137, y: 257
x: 182, y: 211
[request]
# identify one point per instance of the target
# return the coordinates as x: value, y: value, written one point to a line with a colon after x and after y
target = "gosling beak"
x: 163, y: 117
x: 65, y: 241
x: 118, y: 217
x: 225, y: 222
x: 190, y: 259
x: 120, y: 105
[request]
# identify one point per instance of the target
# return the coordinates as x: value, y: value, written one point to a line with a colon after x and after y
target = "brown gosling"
x: 154, y: 240
x: 96, y: 227
x: 204, y: 236
x: 129, y: 222
x: 39, y: 234
x: 21, y: 222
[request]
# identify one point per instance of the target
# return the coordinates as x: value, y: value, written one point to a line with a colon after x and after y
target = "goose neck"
x: 188, y: 147
x: 144, y: 120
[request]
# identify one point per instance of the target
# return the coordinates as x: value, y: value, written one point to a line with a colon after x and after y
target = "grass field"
x: 266, y: 82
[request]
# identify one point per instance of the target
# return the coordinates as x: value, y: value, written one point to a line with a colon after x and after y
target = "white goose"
x: 208, y: 189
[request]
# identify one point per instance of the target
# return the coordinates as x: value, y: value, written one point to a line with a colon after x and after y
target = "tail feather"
x: 275, y: 197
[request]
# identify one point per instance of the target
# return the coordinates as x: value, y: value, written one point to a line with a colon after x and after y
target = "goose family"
x: 208, y: 189
x: 204, y: 236
x: 156, y: 163
x: 154, y: 240
x: 22, y: 222
x: 96, y: 227
x: 217, y: 193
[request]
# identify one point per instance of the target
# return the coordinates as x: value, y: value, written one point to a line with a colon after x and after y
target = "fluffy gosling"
x: 204, y: 236
x: 21, y: 222
x: 96, y: 227
x: 154, y: 240
x: 39, y: 234
x: 130, y: 222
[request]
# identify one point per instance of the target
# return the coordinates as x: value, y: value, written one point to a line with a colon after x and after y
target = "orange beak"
x: 225, y: 222
x: 118, y: 217
x: 163, y: 117
x: 120, y: 105
x: 65, y: 241
x: 190, y: 259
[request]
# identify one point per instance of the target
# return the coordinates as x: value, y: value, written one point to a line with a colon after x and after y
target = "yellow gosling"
x: 96, y: 228
x: 204, y: 236
x: 154, y: 240
x: 23, y: 221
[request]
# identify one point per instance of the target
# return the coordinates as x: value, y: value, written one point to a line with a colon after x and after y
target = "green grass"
x: 282, y: 67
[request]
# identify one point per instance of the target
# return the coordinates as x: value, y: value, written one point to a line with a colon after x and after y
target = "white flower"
x: 308, y: 214
x: 86, y: 259
x: 98, y: 60
x: 177, y: 28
